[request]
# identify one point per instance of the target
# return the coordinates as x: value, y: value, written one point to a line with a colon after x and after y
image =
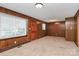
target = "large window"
x: 12, y: 26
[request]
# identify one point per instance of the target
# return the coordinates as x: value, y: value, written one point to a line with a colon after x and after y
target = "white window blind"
x: 12, y: 26
x: 43, y: 26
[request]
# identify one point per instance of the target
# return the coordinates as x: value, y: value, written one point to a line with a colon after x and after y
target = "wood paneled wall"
x: 70, y: 28
x: 35, y: 29
x: 77, y: 28
x: 56, y: 29
x: 12, y: 42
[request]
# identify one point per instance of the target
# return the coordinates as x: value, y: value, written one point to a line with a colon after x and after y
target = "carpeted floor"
x: 46, y: 46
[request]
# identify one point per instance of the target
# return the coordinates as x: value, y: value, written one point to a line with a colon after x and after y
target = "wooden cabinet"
x: 70, y: 29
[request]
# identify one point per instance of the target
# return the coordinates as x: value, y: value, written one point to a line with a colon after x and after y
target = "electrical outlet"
x: 15, y: 42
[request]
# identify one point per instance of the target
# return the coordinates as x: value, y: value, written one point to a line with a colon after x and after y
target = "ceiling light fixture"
x: 38, y: 5
x: 56, y: 22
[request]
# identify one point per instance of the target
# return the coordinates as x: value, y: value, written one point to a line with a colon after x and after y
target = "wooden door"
x: 33, y: 29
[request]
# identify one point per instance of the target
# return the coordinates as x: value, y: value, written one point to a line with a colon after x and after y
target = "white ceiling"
x: 50, y: 11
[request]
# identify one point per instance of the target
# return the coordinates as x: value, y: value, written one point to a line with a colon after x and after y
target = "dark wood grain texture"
x: 56, y: 29
x: 32, y: 35
x: 70, y: 29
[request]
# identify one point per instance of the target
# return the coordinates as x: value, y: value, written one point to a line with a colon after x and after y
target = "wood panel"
x: 77, y: 40
x: 34, y: 24
x: 56, y: 29
x: 41, y: 32
x: 35, y: 29
x: 3, y: 44
x: 12, y: 42
x: 70, y: 29
x: 77, y: 28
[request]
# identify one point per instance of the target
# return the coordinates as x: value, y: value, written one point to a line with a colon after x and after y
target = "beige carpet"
x: 46, y: 46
